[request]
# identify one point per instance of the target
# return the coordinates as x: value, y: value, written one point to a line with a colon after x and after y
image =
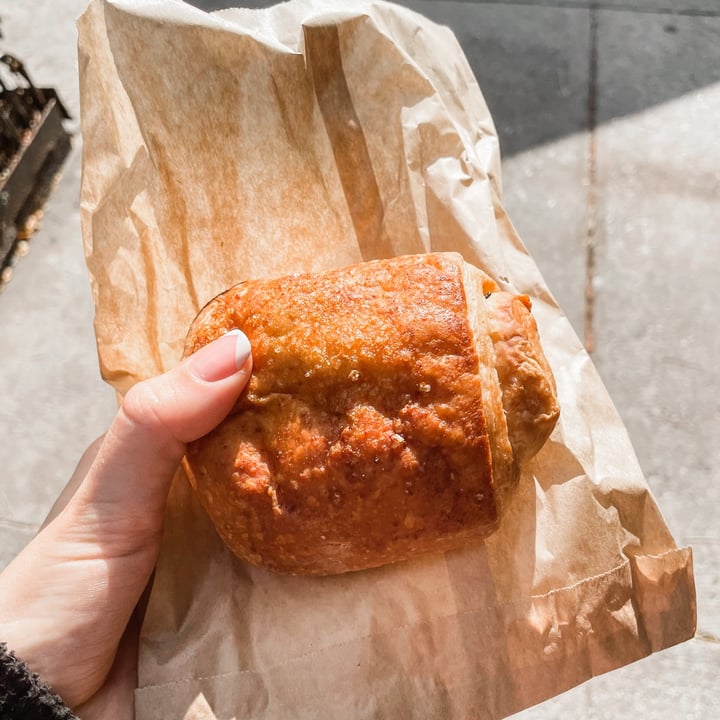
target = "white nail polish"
x: 242, y: 348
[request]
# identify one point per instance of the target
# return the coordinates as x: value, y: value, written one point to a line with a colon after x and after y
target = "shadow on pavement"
x: 539, y: 64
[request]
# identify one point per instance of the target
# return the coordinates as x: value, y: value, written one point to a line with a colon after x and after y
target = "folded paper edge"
x: 653, y: 590
x: 665, y: 597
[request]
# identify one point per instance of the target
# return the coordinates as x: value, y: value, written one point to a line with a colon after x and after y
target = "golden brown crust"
x: 505, y: 470
x: 527, y: 383
x: 362, y: 437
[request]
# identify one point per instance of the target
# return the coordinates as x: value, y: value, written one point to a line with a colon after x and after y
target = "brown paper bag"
x: 220, y: 147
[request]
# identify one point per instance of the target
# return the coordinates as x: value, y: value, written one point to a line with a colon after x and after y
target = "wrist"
x: 41, y: 620
x: 23, y: 694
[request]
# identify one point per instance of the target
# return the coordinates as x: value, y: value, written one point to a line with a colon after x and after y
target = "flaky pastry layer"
x: 374, y: 427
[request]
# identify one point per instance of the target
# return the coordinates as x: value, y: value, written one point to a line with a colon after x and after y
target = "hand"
x: 68, y: 597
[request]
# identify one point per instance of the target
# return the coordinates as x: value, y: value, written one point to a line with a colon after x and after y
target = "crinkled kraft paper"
x: 220, y: 147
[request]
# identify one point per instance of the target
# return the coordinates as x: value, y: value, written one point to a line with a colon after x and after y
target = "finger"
x: 135, y: 464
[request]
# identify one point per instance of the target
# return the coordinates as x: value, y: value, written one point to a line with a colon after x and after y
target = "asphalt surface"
x: 608, y: 114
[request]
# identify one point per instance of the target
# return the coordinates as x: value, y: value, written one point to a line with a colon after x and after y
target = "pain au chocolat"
x: 390, y: 408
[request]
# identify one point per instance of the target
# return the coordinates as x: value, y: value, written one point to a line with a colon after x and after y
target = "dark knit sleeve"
x: 24, y: 696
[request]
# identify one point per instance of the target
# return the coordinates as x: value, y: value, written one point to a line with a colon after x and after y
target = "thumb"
x: 131, y: 474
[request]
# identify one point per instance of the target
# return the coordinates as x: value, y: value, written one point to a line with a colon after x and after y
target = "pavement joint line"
x: 591, y: 180
x: 18, y: 525
x: 619, y: 7
x: 707, y: 637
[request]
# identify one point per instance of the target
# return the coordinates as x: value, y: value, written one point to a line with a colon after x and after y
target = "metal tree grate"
x: 33, y: 146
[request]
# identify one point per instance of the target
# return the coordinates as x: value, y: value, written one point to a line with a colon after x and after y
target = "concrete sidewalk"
x: 608, y: 114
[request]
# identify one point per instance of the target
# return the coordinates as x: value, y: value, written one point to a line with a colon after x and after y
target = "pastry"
x: 390, y: 408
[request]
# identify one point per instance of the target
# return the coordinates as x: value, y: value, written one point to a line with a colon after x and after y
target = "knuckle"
x: 143, y: 408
